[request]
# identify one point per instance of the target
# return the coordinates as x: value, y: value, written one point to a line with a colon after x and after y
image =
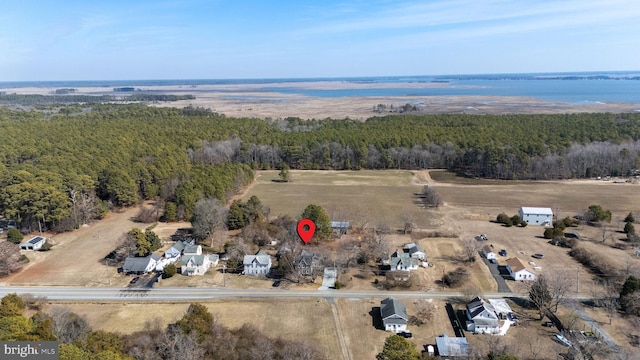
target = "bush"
x: 548, y: 233
x: 456, y: 277
x: 15, y: 236
x: 338, y: 285
x: 169, y: 271
x: 46, y: 246
x: 629, y: 228
x: 502, y: 218
x: 523, y: 223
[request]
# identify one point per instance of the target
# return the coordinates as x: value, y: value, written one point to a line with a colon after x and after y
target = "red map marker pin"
x: 306, y: 229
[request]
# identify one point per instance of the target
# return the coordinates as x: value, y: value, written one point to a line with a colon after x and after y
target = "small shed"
x: 35, y: 243
x: 340, y: 227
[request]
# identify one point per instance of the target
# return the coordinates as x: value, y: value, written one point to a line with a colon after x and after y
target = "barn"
x: 536, y: 216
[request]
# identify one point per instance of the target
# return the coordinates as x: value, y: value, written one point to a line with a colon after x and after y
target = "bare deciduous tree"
x: 209, y: 217
x: 9, y: 258
x: 470, y: 249
x: 68, y: 326
x: 548, y: 291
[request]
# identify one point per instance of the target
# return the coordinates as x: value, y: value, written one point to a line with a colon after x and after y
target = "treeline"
x: 53, y: 167
x: 195, y: 336
x: 62, y: 97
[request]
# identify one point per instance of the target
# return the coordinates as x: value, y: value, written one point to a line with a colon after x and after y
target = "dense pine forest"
x: 65, y: 165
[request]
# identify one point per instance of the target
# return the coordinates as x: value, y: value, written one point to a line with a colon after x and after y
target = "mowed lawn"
x: 373, y: 197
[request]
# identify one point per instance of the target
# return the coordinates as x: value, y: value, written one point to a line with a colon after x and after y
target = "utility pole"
x: 442, y: 277
x: 577, y: 279
x: 224, y: 278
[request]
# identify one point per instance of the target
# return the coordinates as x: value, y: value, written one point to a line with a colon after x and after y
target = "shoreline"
x: 270, y: 101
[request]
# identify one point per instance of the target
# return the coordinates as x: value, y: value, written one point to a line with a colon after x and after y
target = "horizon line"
x: 324, y: 78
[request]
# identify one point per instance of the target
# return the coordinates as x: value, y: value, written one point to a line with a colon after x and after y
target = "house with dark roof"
x: 307, y: 262
x: 519, y: 270
x: 403, y: 261
x: 140, y: 265
x: 482, y: 317
x: 197, y: 264
x: 35, y: 243
x: 394, y: 315
x: 258, y: 264
x: 416, y: 252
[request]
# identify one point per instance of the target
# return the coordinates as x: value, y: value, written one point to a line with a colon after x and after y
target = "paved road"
x: 495, y: 272
x: 190, y: 294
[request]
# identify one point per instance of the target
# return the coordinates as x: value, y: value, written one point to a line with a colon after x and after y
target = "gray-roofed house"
x: 394, y: 315
x: 403, y: 261
x: 192, y: 250
x: 416, y: 252
x: 198, y: 264
x: 175, y: 251
x: 307, y: 263
x: 258, y: 264
x: 482, y: 317
x: 35, y: 243
x: 452, y: 346
x: 140, y: 265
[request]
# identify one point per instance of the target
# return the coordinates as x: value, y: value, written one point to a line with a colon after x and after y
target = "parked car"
x: 538, y: 256
x: 512, y: 316
x: 406, y: 334
x: 493, y: 261
x: 548, y: 324
x: 276, y: 283
x: 503, y: 252
x: 134, y: 280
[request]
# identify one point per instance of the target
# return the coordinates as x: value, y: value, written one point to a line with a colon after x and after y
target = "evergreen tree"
x: 320, y: 218
x: 398, y: 348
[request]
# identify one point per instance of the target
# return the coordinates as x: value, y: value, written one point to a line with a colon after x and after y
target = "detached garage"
x: 536, y: 216
x: 34, y: 243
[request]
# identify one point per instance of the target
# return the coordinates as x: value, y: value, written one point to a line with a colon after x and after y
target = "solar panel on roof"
x: 36, y: 240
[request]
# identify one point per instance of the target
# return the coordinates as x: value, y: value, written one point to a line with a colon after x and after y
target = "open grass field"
x: 366, y: 196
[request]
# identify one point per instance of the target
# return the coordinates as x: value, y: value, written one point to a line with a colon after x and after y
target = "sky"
x: 246, y: 39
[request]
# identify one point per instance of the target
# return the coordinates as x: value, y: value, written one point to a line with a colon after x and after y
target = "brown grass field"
x: 366, y: 196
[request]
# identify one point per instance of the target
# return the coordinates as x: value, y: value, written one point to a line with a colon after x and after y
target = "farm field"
x: 366, y: 196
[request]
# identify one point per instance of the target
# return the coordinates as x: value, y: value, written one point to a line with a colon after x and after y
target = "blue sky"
x: 215, y: 39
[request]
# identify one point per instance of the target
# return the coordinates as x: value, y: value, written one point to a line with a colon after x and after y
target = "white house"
x: 394, y: 315
x: 482, y: 317
x: 192, y: 250
x: 519, y: 270
x: 141, y: 265
x: 416, y: 252
x: 403, y: 261
x: 35, y: 243
x: 197, y: 264
x: 488, y: 253
x: 536, y: 216
x: 258, y: 264
x: 175, y: 251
